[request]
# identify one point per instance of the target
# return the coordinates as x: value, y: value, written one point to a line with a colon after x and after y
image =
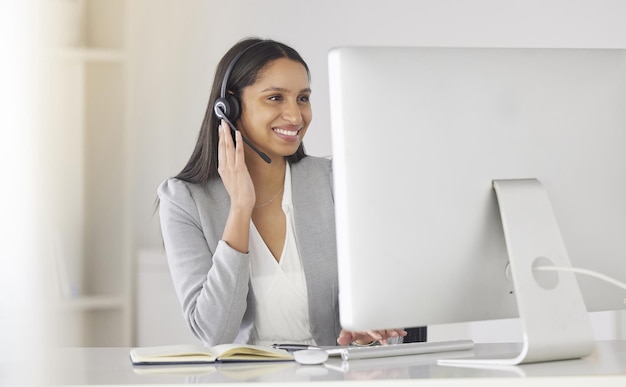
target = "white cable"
x: 577, y: 270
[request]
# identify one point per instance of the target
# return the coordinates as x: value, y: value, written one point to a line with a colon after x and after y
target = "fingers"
x: 229, y: 153
x: 239, y: 154
x: 221, y: 147
x: 376, y: 336
x: 233, y: 170
x: 225, y: 143
x: 347, y: 337
x: 384, y: 335
x: 390, y: 333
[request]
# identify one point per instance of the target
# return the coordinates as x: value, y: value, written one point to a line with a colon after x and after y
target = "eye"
x: 276, y: 97
x: 304, y: 98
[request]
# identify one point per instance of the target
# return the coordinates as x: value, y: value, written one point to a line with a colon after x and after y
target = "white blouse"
x: 282, y: 307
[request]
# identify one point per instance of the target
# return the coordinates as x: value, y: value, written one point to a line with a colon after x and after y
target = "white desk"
x: 111, y: 366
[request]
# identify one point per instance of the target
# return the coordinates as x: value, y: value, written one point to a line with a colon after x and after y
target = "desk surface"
x: 111, y: 366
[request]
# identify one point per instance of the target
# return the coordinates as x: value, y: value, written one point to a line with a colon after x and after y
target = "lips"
x: 287, y: 132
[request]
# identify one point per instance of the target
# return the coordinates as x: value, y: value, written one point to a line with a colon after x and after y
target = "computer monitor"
x: 422, y: 136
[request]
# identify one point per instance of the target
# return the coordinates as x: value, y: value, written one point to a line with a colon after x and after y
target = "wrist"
x: 237, y: 229
x: 242, y: 211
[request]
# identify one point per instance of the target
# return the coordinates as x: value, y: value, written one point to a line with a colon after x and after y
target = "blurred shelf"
x: 87, y: 71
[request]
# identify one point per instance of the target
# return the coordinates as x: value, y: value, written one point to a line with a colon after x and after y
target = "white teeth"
x: 286, y: 132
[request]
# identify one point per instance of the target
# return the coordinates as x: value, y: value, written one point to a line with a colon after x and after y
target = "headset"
x: 227, y: 106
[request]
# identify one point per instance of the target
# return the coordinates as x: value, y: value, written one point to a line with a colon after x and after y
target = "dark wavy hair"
x: 202, y: 165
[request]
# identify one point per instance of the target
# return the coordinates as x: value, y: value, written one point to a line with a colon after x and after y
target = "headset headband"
x: 232, y: 64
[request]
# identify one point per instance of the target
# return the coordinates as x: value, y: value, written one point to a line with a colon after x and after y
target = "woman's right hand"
x: 238, y: 183
x: 233, y: 170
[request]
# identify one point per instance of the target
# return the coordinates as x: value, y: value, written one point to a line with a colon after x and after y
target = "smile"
x: 286, y: 132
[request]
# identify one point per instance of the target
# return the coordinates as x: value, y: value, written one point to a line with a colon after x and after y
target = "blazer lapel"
x: 315, y: 233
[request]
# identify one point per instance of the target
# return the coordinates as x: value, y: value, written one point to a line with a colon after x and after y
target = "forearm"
x: 215, y: 308
x: 212, y: 286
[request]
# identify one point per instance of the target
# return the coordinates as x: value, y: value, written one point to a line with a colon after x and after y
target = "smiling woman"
x: 280, y: 101
x: 250, y: 244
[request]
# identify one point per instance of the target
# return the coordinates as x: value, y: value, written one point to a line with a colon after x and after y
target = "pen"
x: 294, y: 347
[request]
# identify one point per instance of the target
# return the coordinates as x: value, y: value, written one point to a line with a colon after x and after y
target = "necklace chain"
x: 272, y: 199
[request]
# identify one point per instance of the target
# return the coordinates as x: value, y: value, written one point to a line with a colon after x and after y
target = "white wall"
x: 176, y: 45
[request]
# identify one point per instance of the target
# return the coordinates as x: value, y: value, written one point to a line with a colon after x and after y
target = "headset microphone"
x: 227, y: 105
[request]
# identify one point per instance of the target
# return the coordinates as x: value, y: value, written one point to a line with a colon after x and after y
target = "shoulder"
x: 183, y: 194
x: 313, y: 164
x: 174, y: 189
x: 313, y: 174
x: 175, y: 198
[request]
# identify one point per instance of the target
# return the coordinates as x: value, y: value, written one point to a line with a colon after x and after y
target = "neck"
x: 267, y: 178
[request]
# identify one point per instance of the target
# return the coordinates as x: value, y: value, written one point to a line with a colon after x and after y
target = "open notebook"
x: 195, y: 354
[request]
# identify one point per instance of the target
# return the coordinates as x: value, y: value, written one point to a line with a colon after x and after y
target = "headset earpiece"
x: 227, y: 106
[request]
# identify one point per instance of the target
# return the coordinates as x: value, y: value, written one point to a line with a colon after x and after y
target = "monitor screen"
x: 420, y: 134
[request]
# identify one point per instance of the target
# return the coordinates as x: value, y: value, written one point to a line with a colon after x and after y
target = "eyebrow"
x: 282, y: 89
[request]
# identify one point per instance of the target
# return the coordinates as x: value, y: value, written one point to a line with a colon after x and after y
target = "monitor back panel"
x: 418, y: 136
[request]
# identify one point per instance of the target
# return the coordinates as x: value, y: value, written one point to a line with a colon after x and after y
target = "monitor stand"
x: 554, y: 319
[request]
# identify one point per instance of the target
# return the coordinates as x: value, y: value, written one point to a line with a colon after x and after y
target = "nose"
x: 292, y: 112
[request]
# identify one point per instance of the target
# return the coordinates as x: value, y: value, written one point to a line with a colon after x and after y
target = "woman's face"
x: 276, y: 110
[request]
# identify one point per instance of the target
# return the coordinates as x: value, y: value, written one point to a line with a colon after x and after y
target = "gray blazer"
x: 212, y: 280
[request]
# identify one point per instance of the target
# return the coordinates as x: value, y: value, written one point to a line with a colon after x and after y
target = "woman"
x: 251, y: 243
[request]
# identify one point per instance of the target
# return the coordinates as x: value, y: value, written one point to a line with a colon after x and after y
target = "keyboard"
x: 354, y: 352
